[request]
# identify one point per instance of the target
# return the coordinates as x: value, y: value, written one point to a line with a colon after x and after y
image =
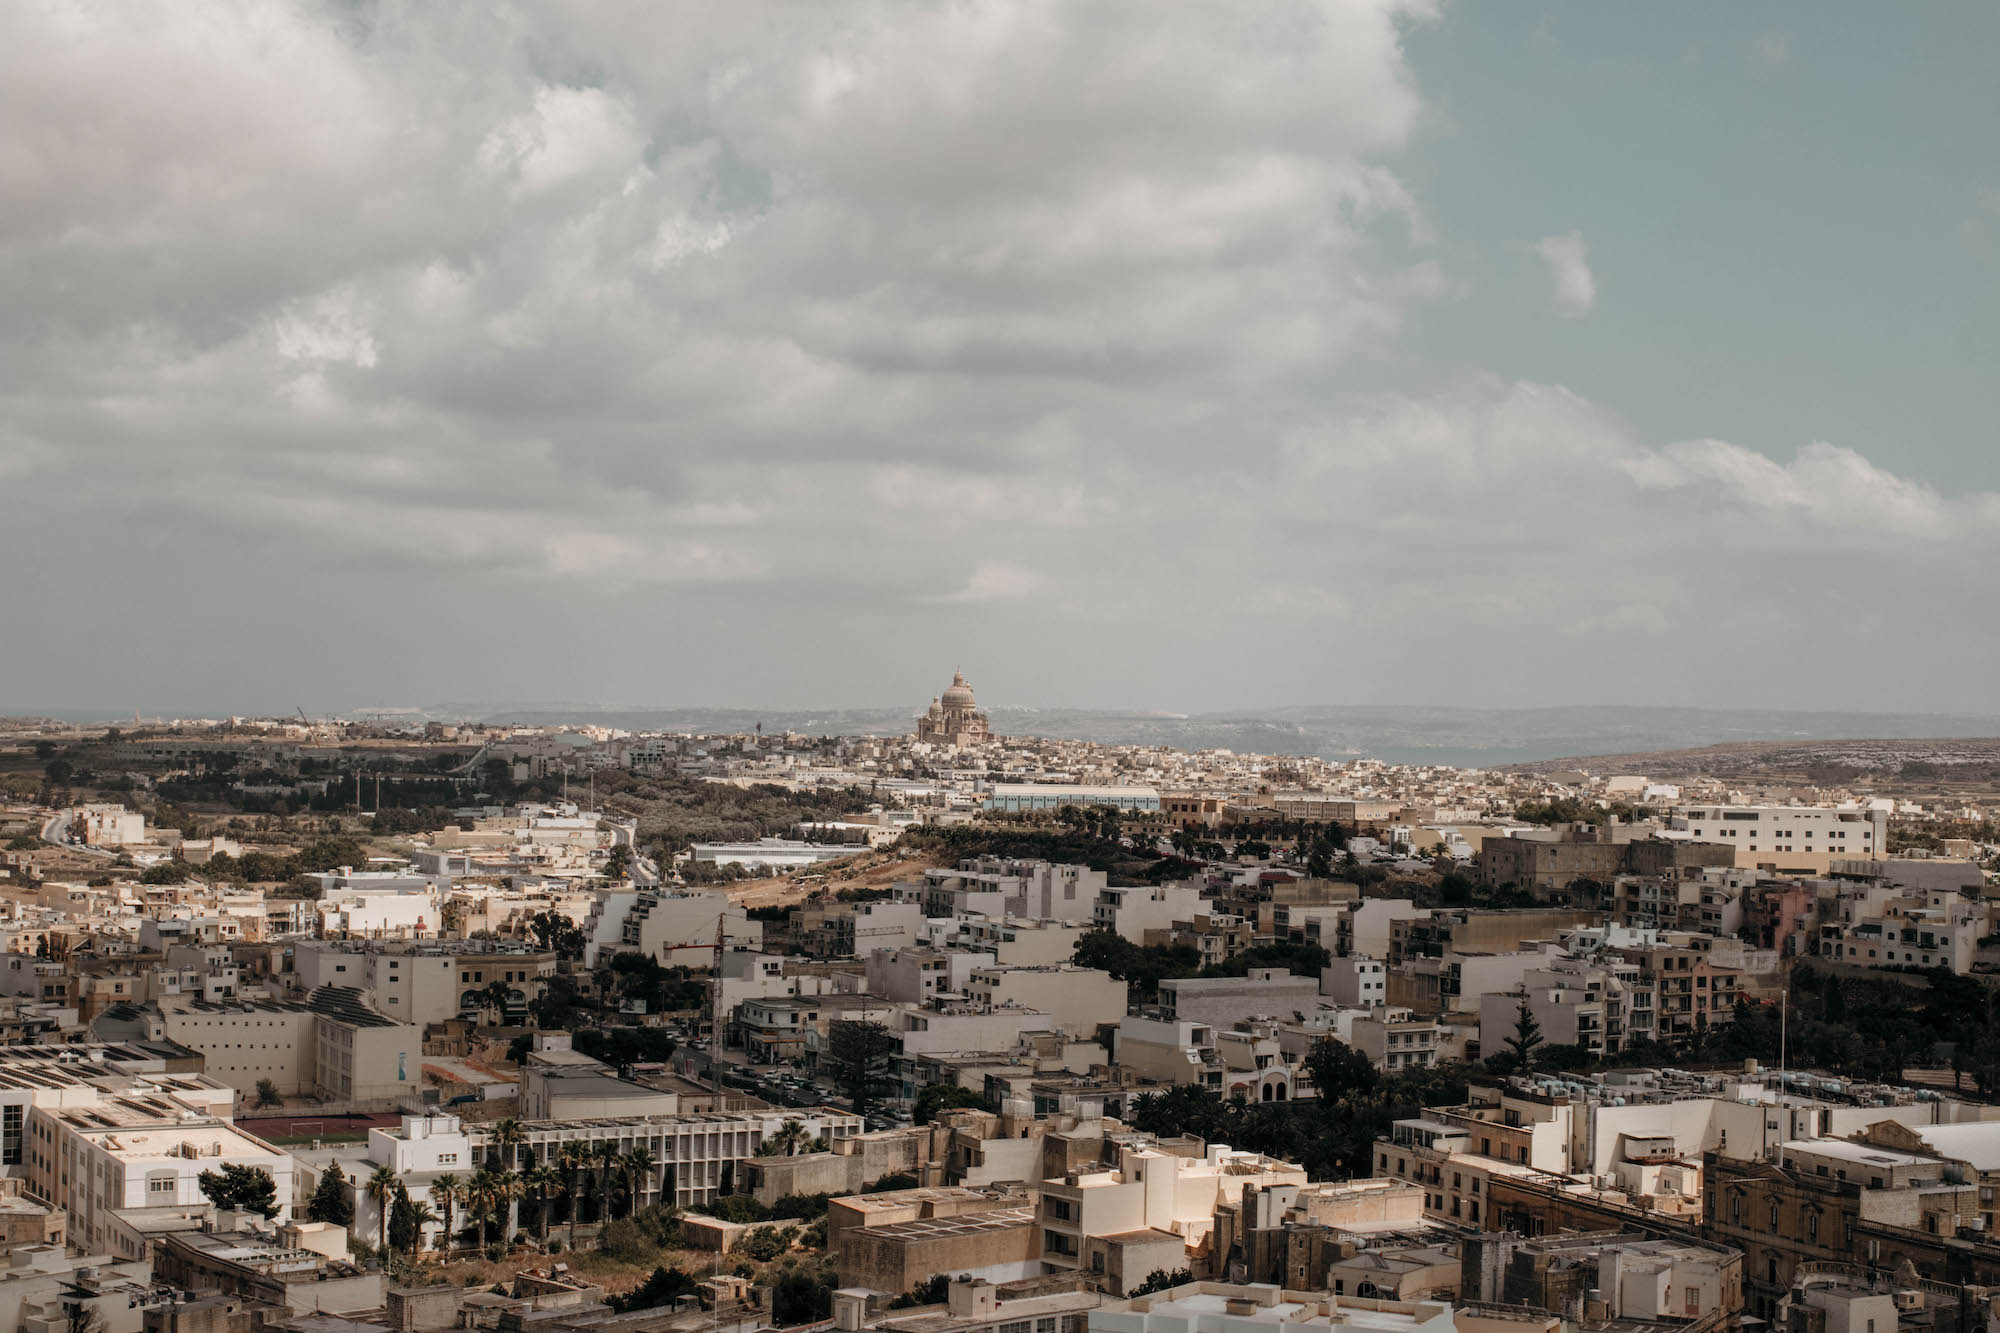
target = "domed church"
x: 952, y: 719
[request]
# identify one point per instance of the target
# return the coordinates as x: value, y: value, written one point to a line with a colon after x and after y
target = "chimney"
x: 971, y: 1297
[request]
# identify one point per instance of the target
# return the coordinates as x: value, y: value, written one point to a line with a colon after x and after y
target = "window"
x: 447, y: 1159
x: 10, y: 1135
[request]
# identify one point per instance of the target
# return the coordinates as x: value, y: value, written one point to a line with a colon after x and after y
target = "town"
x: 319, y: 1024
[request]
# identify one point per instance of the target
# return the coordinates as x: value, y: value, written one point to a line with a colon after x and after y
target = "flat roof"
x: 965, y: 1224
x: 1847, y: 1151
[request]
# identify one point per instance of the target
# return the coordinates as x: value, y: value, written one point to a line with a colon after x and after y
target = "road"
x: 644, y: 873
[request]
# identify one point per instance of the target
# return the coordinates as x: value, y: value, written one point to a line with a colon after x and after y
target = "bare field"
x: 865, y: 870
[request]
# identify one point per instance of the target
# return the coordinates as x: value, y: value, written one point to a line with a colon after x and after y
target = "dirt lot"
x: 865, y: 870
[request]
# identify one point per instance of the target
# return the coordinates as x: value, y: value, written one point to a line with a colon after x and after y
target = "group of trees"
x: 1574, y: 810
x: 1864, y: 1027
x: 1143, y: 967
x: 674, y: 812
x: 319, y: 855
x: 857, y: 1056
x: 1331, y: 1136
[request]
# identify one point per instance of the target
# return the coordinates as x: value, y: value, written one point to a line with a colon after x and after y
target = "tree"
x: 801, y: 1296
x: 763, y: 1244
x: 639, y: 1164
x: 574, y: 1157
x: 267, y: 1093
x: 421, y: 1216
x: 604, y: 1154
x: 858, y: 1053
x: 447, y: 1190
x: 244, y: 1188
x: 665, y: 1286
x: 496, y: 994
x: 938, y: 1097
x: 543, y: 1181
x: 329, y: 1202
x: 557, y: 933
x: 382, y: 1187
x: 1161, y: 1279
x: 933, y: 1290
x: 403, y: 1232
x: 1527, y: 1035
x: 507, y: 1138
x: 787, y: 1142
x: 1338, y: 1070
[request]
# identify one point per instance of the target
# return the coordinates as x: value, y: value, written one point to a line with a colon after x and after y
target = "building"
x: 1355, y: 982
x: 1132, y: 912
x: 1599, y: 1007
x: 1078, y: 999
x: 975, y: 1305
x: 1268, y: 992
x: 953, y: 718
x: 1169, y: 1050
x: 1608, y: 1275
x: 1149, y: 1190
x: 893, y: 1241
x: 302, y: 1268
x: 1545, y: 866
x: 121, y: 1164
x: 1395, y: 1039
x: 1222, y: 1307
x: 1018, y: 797
x: 332, y: 1045
x: 428, y: 981
x: 1795, y: 838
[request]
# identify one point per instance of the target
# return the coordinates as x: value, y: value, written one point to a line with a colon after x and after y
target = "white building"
x: 1355, y: 981
x: 111, y: 1162
x: 1132, y: 912
x: 1079, y: 999
x: 1849, y: 831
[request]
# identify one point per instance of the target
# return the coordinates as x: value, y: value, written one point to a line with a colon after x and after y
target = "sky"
x: 1189, y: 357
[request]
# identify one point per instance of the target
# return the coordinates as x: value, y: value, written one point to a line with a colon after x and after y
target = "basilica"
x: 952, y: 719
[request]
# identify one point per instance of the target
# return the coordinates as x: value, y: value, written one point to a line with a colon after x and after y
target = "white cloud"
x: 833, y: 323
x: 1569, y: 270
x: 998, y: 581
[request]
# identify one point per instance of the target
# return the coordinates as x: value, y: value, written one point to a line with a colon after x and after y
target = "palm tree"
x: 543, y: 1181
x: 605, y: 1154
x: 382, y: 1188
x: 574, y: 1155
x: 507, y: 1135
x: 447, y: 1190
x: 791, y: 1137
x: 509, y: 1188
x: 639, y: 1166
x: 422, y: 1216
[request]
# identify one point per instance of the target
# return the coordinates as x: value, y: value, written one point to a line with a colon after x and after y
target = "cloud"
x: 998, y: 581
x: 849, y: 325
x: 1569, y: 269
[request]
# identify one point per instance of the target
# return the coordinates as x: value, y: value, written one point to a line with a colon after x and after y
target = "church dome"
x: 960, y: 693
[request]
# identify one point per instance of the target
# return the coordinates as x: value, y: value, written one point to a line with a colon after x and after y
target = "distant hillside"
x: 1464, y: 737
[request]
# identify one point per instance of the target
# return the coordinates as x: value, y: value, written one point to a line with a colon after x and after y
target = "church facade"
x: 952, y: 719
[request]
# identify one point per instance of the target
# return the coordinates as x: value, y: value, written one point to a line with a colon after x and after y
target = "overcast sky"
x: 1152, y: 356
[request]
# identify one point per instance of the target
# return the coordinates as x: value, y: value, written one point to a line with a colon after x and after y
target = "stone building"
x: 952, y: 719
